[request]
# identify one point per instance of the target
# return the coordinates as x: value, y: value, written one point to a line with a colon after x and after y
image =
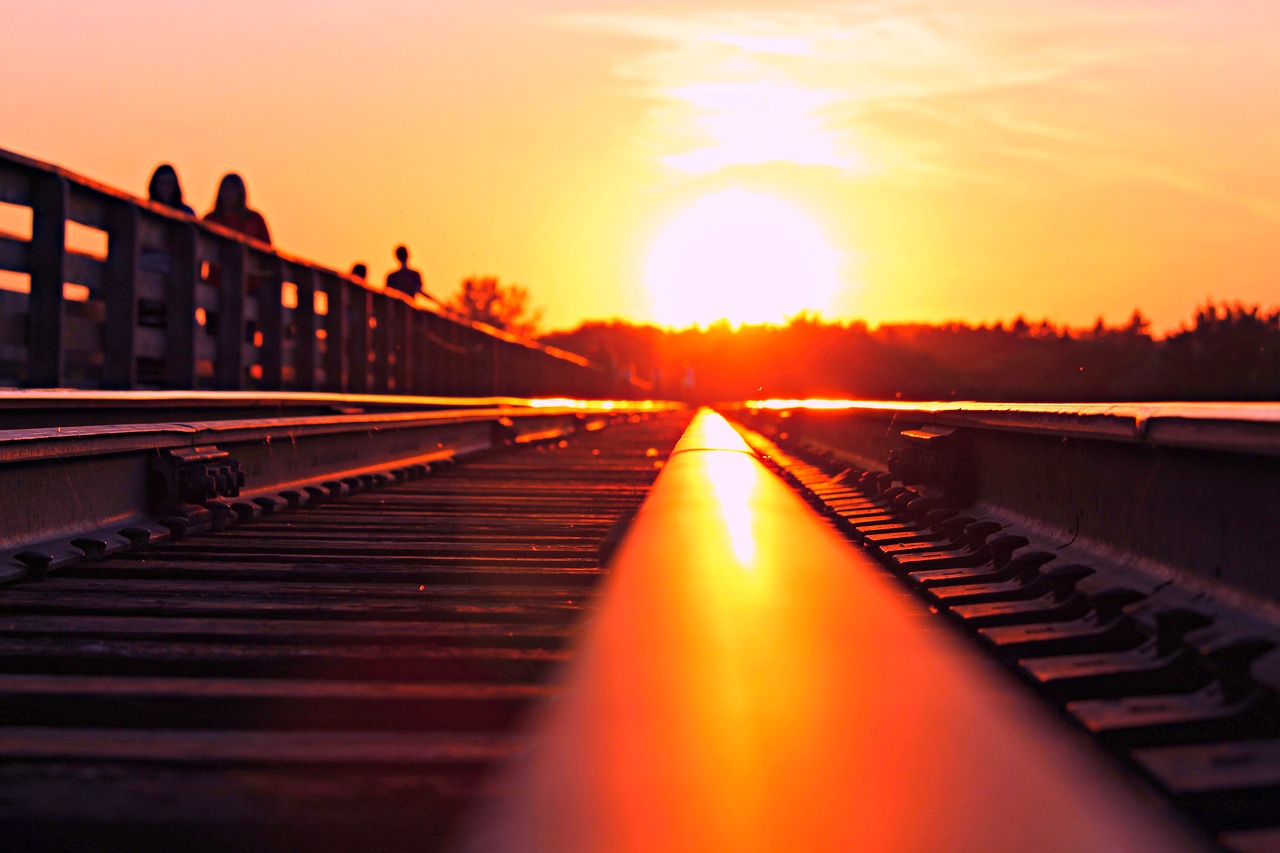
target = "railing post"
x: 358, y: 373
x: 229, y: 370
x: 439, y: 361
x: 304, y: 339
x: 402, y: 321
x: 48, y: 258
x: 476, y: 373
x: 119, y: 369
x: 419, y: 328
x: 463, y: 376
x: 271, y: 319
x: 383, y: 336
x: 180, y: 315
x: 498, y: 369
x: 523, y: 370
x: 492, y: 349
x: 532, y: 368
x: 337, y: 332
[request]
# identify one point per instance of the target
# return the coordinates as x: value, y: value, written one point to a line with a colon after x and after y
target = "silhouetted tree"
x: 1231, y: 351
x: 1138, y: 324
x: 506, y: 306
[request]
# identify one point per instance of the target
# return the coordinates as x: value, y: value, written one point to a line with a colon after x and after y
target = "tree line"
x: 1227, y: 351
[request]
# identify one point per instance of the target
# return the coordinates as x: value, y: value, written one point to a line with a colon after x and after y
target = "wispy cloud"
x: 735, y: 88
x: 758, y: 123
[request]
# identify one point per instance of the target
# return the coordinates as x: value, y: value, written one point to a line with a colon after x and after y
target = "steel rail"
x: 27, y: 409
x: 751, y: 682
x: 1251, y: 428
x: 1185, y: 492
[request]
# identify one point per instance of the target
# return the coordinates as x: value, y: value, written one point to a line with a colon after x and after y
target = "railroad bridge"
x: 289, y: 563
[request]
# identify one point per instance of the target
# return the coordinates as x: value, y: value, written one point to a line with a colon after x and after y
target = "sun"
x: 740, y: 256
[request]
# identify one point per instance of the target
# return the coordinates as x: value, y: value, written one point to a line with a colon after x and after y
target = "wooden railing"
x: 175, y: 303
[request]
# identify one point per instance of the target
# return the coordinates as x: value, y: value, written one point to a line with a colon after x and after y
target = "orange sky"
x: 970, y: 159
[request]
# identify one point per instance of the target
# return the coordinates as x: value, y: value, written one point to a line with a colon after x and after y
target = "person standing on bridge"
x: 231, y: 210
x: 405, y: 280
x: 165, y: 189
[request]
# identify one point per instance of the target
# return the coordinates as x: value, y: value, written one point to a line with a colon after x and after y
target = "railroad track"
x: 342, y: 676
x: 344, y: 657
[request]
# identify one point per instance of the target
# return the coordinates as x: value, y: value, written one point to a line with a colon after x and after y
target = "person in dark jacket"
x: 405, y: 280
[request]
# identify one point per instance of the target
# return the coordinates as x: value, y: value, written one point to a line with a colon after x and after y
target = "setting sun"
x: 743, y: 257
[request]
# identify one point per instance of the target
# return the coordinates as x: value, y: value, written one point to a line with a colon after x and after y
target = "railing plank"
x: 86, y: 207
x: 15, y: 253
x: 15, y: 187
x: 84, y: 269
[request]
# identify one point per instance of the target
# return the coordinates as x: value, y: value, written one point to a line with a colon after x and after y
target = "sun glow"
x: 743, y: 257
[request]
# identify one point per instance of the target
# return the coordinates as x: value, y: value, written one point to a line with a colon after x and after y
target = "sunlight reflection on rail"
x: 816, y: 404
x: 734, y: 486
x: 595, y: 405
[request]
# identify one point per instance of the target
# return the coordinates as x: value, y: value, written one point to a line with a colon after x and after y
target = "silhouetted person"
x: 404, y: 279
x: 231, y: 210
x: 360, y: 271
x: 165, y: 189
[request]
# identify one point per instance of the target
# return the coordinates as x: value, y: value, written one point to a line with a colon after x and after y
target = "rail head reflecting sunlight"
x: 749, y: 682
x: 596, y: 405
x: 735, y: 483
